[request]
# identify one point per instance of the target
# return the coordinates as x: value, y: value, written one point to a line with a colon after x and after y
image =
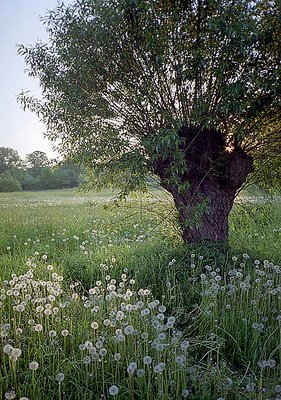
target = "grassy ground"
x: 226, y: 301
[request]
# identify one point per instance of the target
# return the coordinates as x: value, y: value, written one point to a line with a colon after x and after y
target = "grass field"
x: 102, y: 300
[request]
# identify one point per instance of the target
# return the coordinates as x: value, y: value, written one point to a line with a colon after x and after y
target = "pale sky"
x: 19, y: 24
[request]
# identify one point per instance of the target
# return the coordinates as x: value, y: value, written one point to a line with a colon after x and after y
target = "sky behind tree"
x: 20, y: 24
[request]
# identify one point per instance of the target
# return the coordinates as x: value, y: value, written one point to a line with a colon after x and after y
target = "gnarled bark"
x: 214, y: 176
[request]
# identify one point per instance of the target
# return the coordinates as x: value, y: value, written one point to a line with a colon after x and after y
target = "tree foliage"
x: 9, y: 159
x: 36, y: 172
x: 181, y: 88
x: 37, y: 159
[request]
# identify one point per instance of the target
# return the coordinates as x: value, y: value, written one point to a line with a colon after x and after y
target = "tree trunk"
x: 203, y: 211
x: 213, y: 175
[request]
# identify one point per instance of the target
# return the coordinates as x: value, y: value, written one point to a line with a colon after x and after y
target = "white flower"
x: 147, y: 360
x: 64, y: 332
x: 117, y: 356
x: 103, y: 352
x: 8, y: 349
x: 132, y: 367
x: 10, y: 395
x: 86, y: 360
x: 251, y: 387
x: 185, y: 393
x: 33, y: 365
x: 94, y: 325
x: 20, y: 307
x: 140, y: 372
x: 185, y: 345
x: 160, y: 367
x: 113, y: 390
x: 60, y: 377
x: 171, y: 320
x: 129, y: 330
x: 16, y: 353
x: 38, y: 328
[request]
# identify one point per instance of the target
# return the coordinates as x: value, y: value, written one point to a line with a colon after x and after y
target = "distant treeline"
x: 36, y: 172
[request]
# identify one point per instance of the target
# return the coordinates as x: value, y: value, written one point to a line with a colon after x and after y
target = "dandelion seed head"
x: 8, y: 349
x: 129, y: 330
x: 251, y: 387
x: 94, y: 325
x: 33, y: 365
x: 117, y: 356
x: 38, y: 328
x: 185, y: 393
x: 147, y: 360
x: 113, y: 390
x: 140, y: 372
x: 60, y: 377
x: 87, y: 360
x: 10, y: 395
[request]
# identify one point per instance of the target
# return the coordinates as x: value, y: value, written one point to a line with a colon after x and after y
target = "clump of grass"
x: 114, y: 340
x: 118, y: 340
x: 227, y: 307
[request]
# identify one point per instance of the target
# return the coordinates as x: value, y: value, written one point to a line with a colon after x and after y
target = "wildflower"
x: 262, y: 364
x: 185, y: 345
x: 33, y: 365
x: 140, y: 372
x: 102, y: 352
x: 129, y: 330
x: 20, y: 307
x: 64, y: 332
x: 251, y: 387
x: 145, y: 311
x: 86, y: 360
x: 60, y: 377
x: 38, y: 328
x: 271, y: 363
x: 52, y: 333
x: 160, y: 367
x: 8, y: 349
x: 185, y: 393
x: 180, y: 359
x: 117, y: 356
x: 147, y: 360
x: 113, y: 390
x: 277, y: 389
x: 94, y: 325
x: 10, y: 395
x: 132, y: 367
x: 15, y: 353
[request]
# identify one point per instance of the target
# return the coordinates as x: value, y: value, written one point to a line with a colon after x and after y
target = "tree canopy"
x: 181, y: 88
x: 9, y: 158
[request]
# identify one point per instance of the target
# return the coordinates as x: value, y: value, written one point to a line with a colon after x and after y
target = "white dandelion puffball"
x: 113, y: 390
x: 60, y: 377
x: 33, y: 365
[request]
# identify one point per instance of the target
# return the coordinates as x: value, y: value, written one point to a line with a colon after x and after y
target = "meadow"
x: 101, y: 299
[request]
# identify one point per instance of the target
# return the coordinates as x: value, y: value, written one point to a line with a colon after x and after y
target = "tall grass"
x: 88, y: 290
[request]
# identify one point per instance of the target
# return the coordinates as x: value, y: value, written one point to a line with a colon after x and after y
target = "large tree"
x: 36, y: 161
x: 9, y: 159
x: 186, y: 89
